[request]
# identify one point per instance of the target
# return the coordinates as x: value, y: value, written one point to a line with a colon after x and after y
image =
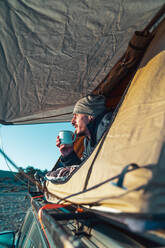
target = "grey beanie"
x: 90, y: 105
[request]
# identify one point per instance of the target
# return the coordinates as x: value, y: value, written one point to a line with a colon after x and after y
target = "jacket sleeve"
x: 71, y: 159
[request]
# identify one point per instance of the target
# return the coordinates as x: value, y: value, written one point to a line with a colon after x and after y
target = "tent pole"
x: 155, y: 18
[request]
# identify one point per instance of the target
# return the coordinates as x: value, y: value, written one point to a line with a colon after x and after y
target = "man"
x: 90, y: 119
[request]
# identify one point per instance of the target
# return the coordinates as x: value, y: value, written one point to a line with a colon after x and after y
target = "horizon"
x: 31, y: 145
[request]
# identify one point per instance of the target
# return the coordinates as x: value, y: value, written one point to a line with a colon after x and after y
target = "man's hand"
x: 64, y: 149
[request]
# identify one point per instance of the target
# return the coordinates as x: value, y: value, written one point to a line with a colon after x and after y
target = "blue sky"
x: 33, y: 145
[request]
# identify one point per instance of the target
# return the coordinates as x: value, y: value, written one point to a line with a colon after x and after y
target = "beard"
x: 80, y: 134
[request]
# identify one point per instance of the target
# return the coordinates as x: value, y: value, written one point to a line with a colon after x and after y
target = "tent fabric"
x: 127, y: 64
x: 117, y: 80
x: 56, y: 51
x: 137, y: 135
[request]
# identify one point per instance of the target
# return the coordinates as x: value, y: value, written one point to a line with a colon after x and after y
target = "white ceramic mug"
x: 67, y: 137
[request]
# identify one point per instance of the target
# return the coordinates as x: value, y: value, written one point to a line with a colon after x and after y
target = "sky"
x: 31, y: 145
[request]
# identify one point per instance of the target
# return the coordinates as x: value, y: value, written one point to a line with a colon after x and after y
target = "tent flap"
x: 54, y: 52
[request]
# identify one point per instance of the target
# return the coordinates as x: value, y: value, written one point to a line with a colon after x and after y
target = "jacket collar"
x: 92, y: 126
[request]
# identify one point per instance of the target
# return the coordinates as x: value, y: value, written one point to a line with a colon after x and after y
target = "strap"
x: 45, y: 207
x: 123, y: 173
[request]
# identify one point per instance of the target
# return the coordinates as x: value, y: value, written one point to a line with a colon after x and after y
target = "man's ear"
x: 90, y: 117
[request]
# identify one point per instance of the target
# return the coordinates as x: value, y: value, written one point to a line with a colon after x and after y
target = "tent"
x: 135, y: 138
x: 125, y: 173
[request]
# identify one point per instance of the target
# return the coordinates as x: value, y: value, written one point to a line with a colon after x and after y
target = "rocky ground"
x: 13, y: 203
x: 13, y: 207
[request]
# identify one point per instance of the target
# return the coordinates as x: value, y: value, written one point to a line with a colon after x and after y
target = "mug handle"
x: 74, y: 137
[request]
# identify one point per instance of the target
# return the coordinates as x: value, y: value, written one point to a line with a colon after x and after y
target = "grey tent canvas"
x: 54, y: 52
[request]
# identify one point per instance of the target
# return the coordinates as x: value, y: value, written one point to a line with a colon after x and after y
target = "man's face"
x: 80, y: 121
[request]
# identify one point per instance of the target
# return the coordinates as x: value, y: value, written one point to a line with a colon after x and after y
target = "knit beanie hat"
x: 90, y: 105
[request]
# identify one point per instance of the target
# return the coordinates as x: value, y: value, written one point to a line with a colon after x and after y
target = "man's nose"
x: 73, y: 121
